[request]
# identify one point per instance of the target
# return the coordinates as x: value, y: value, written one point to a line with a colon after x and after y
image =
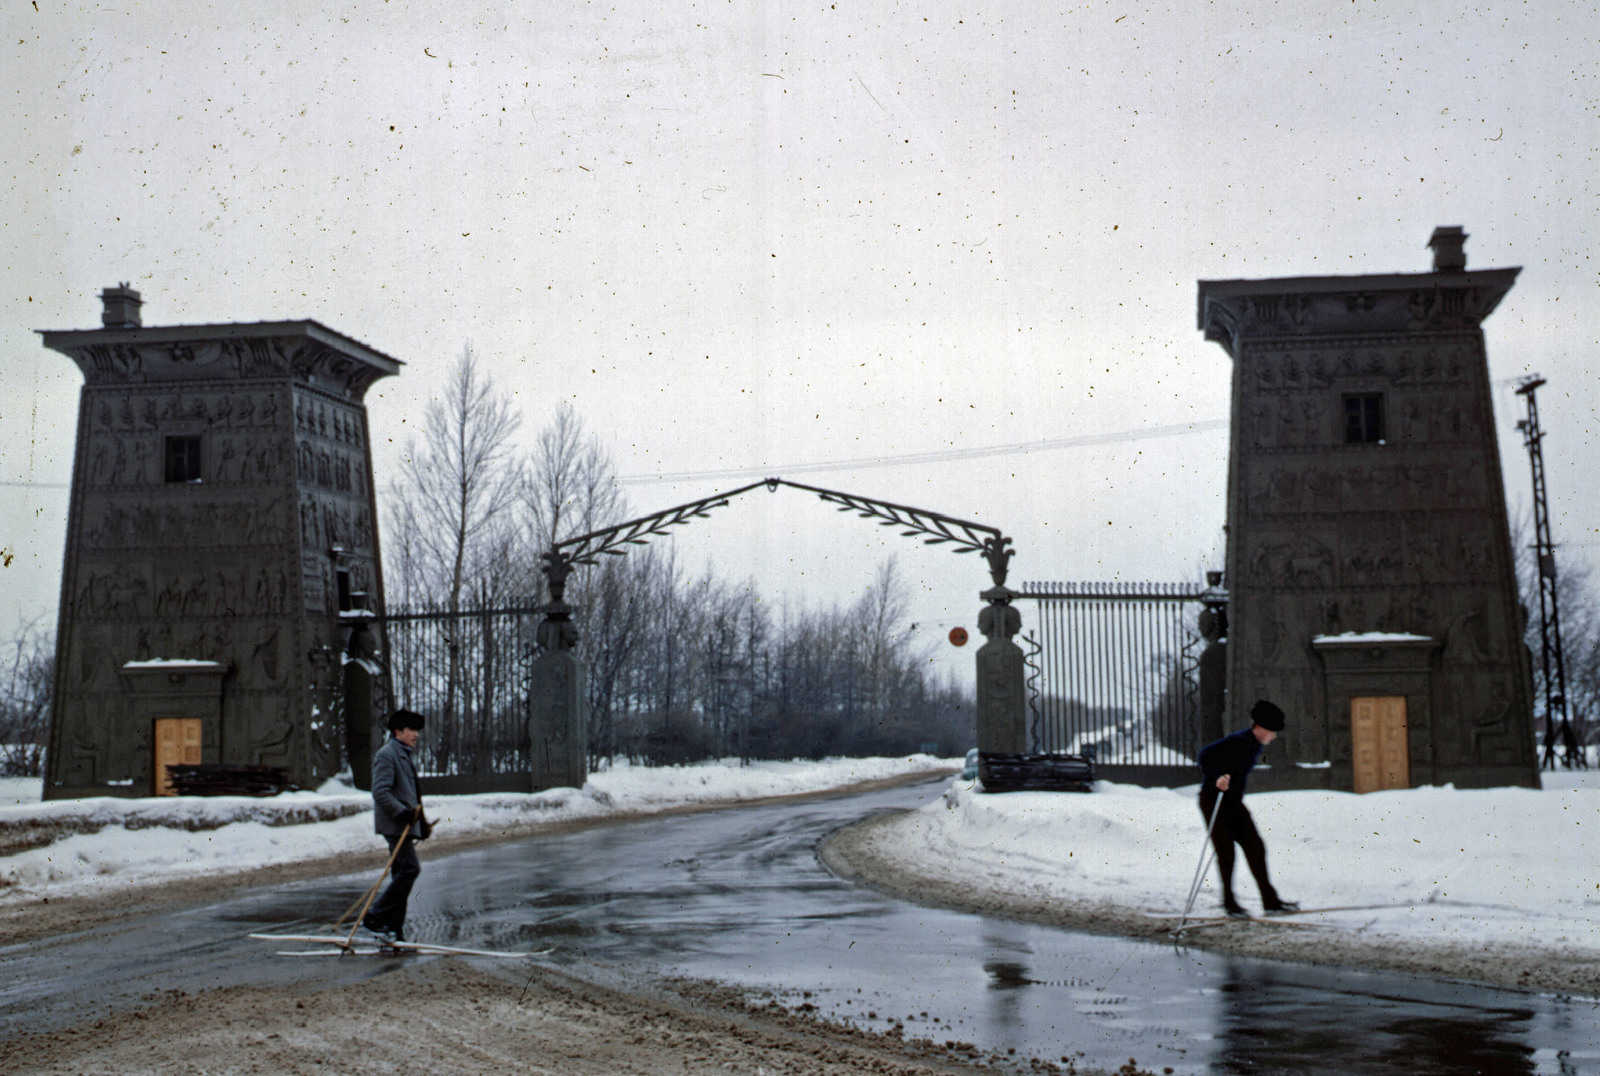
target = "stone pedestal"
x: 1002, y: 682
x: 1002, y: 699
x: 558, y: 722
x: 1213, y: 676
x: 358, y: 719
x: 360, y: 668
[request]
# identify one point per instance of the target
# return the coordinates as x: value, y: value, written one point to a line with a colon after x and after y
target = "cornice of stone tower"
x: 1234, y: 311
x: 307, y: 351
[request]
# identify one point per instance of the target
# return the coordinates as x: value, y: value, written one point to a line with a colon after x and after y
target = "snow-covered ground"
x: 1429, y: 864
x: 1505, y: 865
x: 64, y: 847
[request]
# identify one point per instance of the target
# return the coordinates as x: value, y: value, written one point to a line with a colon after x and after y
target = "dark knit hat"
x: 406, y: 719
x: 1267, y: 715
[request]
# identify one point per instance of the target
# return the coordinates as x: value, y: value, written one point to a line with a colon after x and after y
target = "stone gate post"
x: 558, y: 705
x: 1002, y: 681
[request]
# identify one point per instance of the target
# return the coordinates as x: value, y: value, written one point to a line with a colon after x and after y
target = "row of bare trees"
x: 1577, y: 605
x: 680, y: 666
x: 684, y: 668
x: 27, y: 673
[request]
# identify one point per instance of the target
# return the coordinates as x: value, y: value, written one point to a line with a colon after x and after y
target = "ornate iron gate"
x: 1117, y: 675
x: 468, y: 672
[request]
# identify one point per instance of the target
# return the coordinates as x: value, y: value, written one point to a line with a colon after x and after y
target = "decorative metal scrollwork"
x: 933, y: 528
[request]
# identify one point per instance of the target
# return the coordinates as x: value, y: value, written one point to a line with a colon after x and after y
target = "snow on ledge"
x: 1368, y: 638
x: 191, y: 664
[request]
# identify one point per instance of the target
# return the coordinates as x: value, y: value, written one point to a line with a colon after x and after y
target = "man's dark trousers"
x: 1235, y: 826
x: 390, y: 909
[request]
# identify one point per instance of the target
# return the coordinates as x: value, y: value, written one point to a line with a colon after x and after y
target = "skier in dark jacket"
x: 397, y: 816
x: 1226, y: 767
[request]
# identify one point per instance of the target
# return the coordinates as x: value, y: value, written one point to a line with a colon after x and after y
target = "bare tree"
x: 571, y: 487
x: 458, y: 486
x: 451, y: 517
x: 1580, y: 630
x: 879, y: 615
x: 27, y: 673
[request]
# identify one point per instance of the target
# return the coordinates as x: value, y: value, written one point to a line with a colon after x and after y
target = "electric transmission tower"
x: 1557, y: 725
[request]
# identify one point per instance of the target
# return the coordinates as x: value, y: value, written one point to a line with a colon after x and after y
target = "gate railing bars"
x: 1118, y: 671
x: 477, y: 724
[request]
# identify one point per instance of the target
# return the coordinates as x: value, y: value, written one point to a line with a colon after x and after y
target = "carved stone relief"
x: 1385, y: 361
x: 1328, y: 485
x: 264, y: 655
x: 1466, y: 640
x: 127, y: 524
x: 257, y: 357
x: 1374, y: 561
x: 271, y: 740
x: 123, y: 593
x: 1493, y: 720
x: 119, y: 362
x: 1297, y: 563
x: 314, y: 583
x: 328, y: 520
x: 152, y: 407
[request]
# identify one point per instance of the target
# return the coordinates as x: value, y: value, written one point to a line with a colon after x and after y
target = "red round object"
x: 958, y: 636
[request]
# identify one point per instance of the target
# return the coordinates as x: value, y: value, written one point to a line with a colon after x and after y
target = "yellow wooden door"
x: 1380, y: 746
x: 177, y: 741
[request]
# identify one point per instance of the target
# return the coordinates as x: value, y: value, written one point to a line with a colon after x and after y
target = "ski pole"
x: 1206, y: 851
x: 361, y: 901
x: 367, y: 896
x: 373, y: 892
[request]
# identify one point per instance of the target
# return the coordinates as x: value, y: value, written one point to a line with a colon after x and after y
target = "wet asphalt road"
x: 739, y: 896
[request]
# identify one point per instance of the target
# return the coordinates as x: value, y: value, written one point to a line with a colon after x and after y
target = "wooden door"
x: 1380, y: 746
x: 177, y: 742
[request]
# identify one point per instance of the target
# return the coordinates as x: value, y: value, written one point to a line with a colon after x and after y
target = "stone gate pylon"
x: 221, y: 517
x: 1371, y: 580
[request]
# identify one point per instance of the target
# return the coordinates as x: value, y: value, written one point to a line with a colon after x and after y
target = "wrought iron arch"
x: 557, y: 632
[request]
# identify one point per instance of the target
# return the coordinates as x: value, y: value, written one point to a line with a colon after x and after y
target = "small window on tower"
x: 183, y: 459
x: 1363, y: 419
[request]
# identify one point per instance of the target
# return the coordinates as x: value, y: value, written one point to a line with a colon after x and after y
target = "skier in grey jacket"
x: 397, y: 816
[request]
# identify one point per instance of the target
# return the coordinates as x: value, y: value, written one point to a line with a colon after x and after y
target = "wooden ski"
x: 1277, y: 915
x: 339, y: 945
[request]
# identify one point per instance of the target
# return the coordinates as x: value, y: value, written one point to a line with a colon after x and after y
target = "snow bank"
x: 91, y: 845
x: 1476, y: 866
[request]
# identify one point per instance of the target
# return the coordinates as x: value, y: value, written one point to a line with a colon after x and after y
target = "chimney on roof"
x: 121, y: 307
x: 1448, y: 254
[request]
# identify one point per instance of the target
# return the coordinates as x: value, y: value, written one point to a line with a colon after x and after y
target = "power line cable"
x: 935, y: 456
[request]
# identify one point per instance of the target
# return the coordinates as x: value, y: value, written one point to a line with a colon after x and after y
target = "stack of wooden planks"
x: 215, y: 779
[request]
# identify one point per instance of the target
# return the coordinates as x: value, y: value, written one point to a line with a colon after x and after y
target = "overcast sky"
x: 757, y: 235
